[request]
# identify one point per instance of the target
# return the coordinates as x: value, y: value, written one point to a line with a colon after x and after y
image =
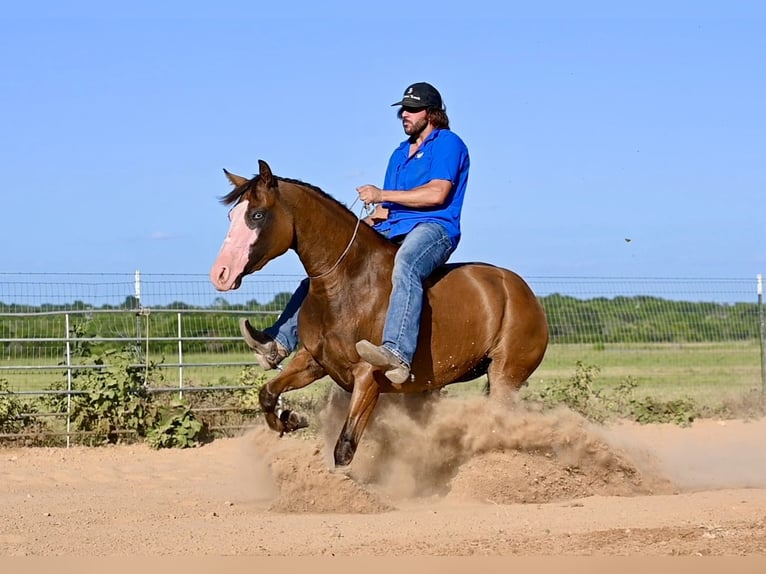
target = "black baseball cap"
x: 420, y: 95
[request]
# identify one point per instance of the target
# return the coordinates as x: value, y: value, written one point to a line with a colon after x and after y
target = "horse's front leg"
x: 302, y: 371
x: 364, y: 397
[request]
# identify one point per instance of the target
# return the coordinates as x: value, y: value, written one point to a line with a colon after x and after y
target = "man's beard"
x: 414, y: 130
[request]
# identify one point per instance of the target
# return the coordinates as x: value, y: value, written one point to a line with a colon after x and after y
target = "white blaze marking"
x: 240, y: 236
x: 235, y: 251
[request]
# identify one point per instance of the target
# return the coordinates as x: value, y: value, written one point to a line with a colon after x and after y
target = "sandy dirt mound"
x: 301, y: 481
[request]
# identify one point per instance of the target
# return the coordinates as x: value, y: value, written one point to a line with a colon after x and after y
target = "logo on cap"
x: 410, y: 96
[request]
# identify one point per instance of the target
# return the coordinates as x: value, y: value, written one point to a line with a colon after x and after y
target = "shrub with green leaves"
x: 177, y: 428
x: 255, y: 379
x: 11, y: 409
x: 114, y: 397
x: 579, y: 394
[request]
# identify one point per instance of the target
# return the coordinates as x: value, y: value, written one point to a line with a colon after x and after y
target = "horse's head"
x: 261, y: 229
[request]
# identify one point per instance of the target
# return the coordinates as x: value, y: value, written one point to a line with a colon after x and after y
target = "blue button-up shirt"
x: 442, y: 155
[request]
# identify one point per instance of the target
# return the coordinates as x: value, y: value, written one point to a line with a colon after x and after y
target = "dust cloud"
x: 476, y: 448
x: 710, y: 454
x: 455, y: 449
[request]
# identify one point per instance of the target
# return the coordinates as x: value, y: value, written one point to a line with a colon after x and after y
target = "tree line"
x: 645, y: 319
x: 638, y: 319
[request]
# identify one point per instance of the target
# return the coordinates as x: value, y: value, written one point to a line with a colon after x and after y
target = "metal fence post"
x: 68, y: 354
x: 137, y: 293
x: 180, y: 361
x: 762, y: 316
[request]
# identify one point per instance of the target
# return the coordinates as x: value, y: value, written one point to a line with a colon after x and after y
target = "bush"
x: 578, y: 394
x: 177, y: 428
x: 113, y: 398
x: 11, y: 409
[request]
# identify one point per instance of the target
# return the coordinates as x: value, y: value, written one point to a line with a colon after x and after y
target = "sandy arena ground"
x: 468, y: 479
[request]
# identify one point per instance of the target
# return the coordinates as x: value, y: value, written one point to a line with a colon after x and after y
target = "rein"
x: 348, y: 247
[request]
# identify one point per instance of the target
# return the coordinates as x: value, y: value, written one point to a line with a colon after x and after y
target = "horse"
x: 477, y: 318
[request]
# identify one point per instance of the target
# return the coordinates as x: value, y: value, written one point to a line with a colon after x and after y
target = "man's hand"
x: 370, y: 194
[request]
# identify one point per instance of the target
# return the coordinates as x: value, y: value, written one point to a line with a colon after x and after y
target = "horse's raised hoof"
x: 344, y: 452
x: 292, y: 421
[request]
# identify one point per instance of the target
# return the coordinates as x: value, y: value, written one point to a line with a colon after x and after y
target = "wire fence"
x: 684, y: 334
x: 77, y: 291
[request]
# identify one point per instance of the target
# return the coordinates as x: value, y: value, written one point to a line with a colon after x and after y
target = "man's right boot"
x: 397, y: 371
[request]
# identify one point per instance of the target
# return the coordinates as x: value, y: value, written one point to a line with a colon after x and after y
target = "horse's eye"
x: 256, y: 215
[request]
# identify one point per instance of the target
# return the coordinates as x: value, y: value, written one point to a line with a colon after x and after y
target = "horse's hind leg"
x: 302, y: 371
x: 505, y: 378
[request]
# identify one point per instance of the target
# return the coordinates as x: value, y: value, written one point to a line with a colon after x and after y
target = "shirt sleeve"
x: 448, y: 155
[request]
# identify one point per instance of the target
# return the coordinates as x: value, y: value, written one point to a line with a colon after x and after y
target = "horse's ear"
x: 236, y: 180
x: 264, y: 171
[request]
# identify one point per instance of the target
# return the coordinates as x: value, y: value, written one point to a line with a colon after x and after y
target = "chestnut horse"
x: 477, y: 318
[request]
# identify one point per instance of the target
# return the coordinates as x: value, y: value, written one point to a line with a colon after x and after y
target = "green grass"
x: 706, y: 372
x: 192, y: 375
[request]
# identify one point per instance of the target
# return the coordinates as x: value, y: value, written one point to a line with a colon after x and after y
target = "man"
x: 419, y: 208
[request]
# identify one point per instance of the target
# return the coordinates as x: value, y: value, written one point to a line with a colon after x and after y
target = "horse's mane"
x: 235, y: 194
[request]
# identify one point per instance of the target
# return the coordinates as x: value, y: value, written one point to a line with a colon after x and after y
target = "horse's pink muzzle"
x: 229, y: 267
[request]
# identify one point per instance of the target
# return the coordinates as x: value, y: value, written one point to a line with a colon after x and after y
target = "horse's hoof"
x: 344, y: 452
x: 292, y: 421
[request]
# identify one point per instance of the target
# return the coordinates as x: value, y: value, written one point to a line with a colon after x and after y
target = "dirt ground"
x: 464, y: 478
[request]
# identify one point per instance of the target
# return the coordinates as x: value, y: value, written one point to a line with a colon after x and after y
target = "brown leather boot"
x: 266, y: 348
x: 397, y: 371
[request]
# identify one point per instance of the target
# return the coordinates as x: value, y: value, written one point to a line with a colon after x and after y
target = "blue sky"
x: 587, y: 124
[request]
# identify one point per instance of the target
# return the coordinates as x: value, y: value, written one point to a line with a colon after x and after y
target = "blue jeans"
x: 285, y: 330
x: 421, y: 251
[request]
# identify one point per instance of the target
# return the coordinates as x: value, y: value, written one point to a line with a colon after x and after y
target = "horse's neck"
x: 329, y: 239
